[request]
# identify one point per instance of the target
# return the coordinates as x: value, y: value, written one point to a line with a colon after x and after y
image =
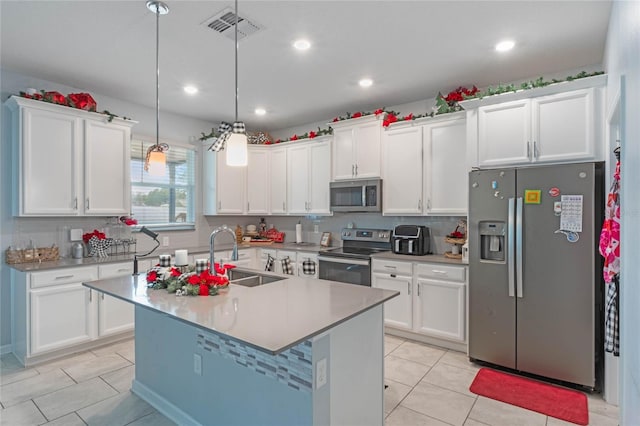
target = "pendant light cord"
x: 237, y: 17
x: 157, y: 75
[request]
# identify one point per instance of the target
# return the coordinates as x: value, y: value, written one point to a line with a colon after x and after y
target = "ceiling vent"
x: 223, y: 23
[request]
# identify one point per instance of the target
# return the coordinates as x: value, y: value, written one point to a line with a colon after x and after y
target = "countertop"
x: 272, y: 317
x: 432, y: 258
x: 88, y: 261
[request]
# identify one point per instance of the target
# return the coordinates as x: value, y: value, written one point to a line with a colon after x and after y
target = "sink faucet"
x: 212, y: 259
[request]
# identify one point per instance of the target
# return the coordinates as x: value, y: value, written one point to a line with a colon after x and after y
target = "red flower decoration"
x: 408, y: 117
x: 356, y: 115
x: 82, y: 101
x: 312, y: 134
x: 175, y: 272
x: 294, y: 137
x: 336, y: 119
x: 390, y: 118
x: 204, y: 290
x: 277, y: 141
x: 56, y: 98
x: 378, y: 111
x: 268, y: 143
x: 152, y: 276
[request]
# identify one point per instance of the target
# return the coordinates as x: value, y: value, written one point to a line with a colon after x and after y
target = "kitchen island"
x: 293, y: 352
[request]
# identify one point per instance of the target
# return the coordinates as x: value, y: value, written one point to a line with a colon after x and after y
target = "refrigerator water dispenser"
x: 492, y: 242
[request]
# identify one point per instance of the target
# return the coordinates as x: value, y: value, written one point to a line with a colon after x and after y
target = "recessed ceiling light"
x: 191, y: 90
x: 505, y: 45
x: 260, y: 111
x: 365, y: 82
x: 302, y: 44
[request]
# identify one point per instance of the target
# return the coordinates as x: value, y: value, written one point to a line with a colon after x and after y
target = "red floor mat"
x: 554, y: 401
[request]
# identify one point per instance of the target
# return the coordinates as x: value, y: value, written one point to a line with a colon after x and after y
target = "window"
x: 165, y: 202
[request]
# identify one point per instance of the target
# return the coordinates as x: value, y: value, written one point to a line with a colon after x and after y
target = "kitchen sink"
x: 251, y: 278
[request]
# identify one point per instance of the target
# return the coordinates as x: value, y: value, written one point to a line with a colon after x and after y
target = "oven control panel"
x: 366, y: 234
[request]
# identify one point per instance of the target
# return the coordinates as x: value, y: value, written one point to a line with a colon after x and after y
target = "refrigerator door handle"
x: 511, y: 246
x: 519, y: 237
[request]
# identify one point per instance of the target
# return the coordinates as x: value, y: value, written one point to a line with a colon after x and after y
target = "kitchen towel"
x: 287, y: 267
x: 269, y: 265
x: 309, y: 267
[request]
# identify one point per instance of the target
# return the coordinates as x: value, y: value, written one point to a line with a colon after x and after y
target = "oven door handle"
x: 343, y: 260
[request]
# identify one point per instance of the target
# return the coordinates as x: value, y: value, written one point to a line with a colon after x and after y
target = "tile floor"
x: 428, y: 386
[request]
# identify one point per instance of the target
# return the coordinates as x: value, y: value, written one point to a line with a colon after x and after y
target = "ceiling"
x: 411, y: 49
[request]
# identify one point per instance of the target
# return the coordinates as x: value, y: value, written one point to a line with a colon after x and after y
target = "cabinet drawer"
x: 115, y: 270
x: 63, y: 276
x: 443, y: 272
x: 392, y: 267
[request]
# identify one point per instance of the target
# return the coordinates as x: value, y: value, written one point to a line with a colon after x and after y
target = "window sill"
x: 169, y: 227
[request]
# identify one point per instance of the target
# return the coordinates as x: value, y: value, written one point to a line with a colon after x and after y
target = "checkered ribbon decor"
x: 287, y: 267
x: 224, y: 130
x: 270, y: 262
x: 309, y: 267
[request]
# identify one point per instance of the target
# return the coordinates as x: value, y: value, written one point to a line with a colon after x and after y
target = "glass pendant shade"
x: 157, y: 163
x: 237, y: 152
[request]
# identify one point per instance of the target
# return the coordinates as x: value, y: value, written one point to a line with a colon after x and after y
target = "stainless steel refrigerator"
x: 535, y: 280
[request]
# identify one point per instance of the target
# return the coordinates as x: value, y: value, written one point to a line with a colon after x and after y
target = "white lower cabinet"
x: 297, y: 259
x: 61, y: 316
x: 432, y: 300
x: 114, y: 315
x: 52, y: 312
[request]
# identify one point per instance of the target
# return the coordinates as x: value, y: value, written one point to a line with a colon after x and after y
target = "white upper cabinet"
x: 356, y: 148
x: 425, y: 169
x: 445, y: 168
x: 402, y: 166
x: 278, y: 183
x: 230, y: 186
x: 69, y: 162
x: 107, y: 171
x: 308, y: 165
x: 559, y: 123
x: 564, y: 127
x: 504, y: 133
x: 258, y: 185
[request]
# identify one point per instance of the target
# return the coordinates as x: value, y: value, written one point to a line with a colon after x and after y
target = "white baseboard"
x: 163, y: 405
x: 6, y: 349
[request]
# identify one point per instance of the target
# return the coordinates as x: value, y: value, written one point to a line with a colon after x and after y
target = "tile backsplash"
x: 43, y: 232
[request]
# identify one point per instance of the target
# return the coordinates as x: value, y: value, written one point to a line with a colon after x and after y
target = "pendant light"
x: 233, y: 137
x: 156, y: 160
x: 237, y: 152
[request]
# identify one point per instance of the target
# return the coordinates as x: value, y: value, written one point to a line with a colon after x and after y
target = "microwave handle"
x: 364, y: 195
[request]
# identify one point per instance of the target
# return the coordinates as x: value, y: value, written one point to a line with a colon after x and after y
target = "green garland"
x: 527, y: 85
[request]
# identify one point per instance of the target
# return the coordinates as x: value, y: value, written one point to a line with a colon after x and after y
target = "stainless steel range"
x: 351, y: 263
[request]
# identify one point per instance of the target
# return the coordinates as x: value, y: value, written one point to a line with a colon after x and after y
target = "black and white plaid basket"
x: 287, y: 267
x: 98, y: 247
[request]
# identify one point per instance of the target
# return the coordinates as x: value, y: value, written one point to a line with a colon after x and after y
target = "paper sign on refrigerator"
x: 571, y: 216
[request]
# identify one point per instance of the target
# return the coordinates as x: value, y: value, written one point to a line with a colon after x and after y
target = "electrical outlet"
x: 321, y: 373
x: 316, y: 228
x: 197, y: 364
x: 165, y: 241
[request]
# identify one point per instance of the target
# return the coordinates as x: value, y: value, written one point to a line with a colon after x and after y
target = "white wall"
x: 622, y: 61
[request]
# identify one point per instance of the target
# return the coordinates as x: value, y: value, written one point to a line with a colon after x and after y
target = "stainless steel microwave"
x: 356, y: 195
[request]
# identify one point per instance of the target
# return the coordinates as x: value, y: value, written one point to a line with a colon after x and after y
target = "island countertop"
x: 271, y: 317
